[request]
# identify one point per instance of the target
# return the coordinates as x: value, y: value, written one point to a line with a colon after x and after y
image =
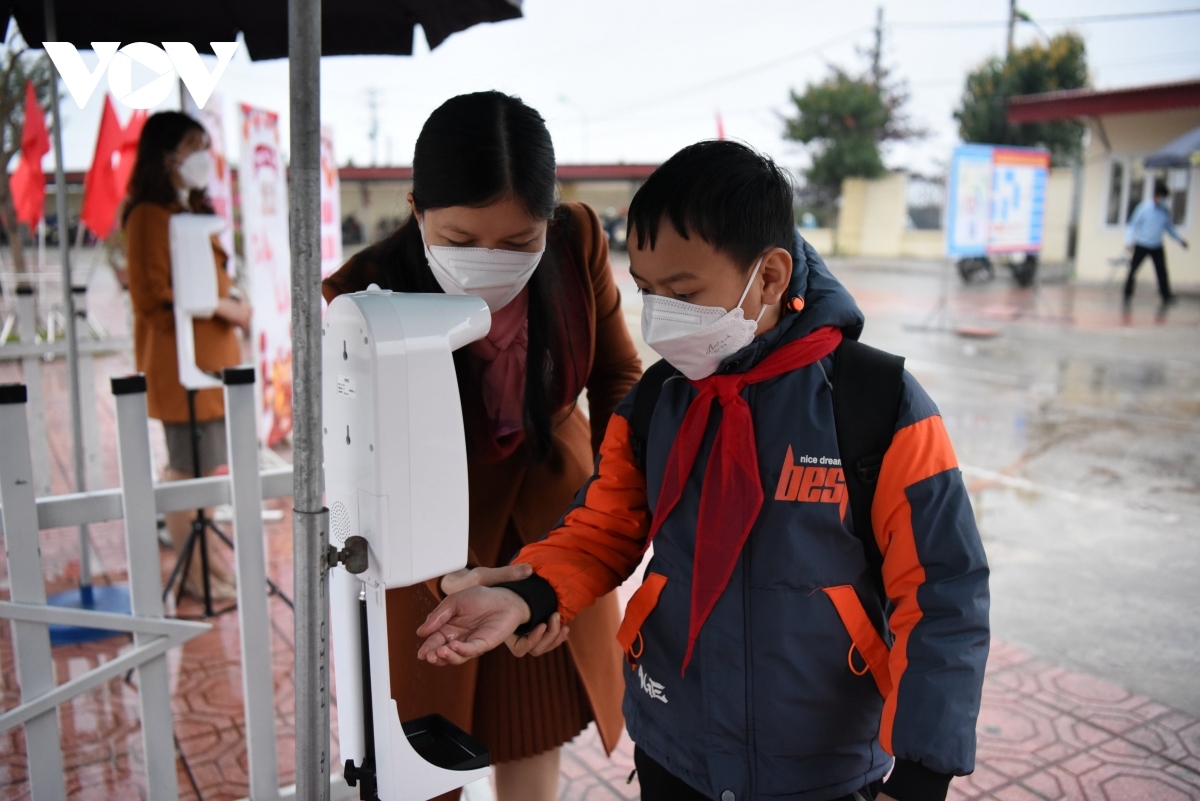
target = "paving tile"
x: 1175, y: 736
x: 1015, y: 793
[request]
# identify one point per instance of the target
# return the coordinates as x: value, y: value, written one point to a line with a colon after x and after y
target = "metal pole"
x: 310, y: 542
x: 1012, y: 24
x: 877, y: 53
x: 64, y: 245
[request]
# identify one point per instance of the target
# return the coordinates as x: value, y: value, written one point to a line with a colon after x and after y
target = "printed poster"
x: 220, y: 183
x: 968, y: 205
x: 1018, y: 200
x: 331, y: 207
x: 996, y: 200
x: 263, y: 189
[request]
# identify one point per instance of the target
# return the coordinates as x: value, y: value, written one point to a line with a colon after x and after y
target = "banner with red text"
x: 262, y: 179
x: 331, y: 206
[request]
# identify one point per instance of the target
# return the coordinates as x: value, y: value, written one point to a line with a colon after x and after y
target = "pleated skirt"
x: 528, y: 705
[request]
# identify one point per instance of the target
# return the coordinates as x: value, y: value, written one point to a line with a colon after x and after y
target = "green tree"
x: 983, y: 113
x: 844, y: 120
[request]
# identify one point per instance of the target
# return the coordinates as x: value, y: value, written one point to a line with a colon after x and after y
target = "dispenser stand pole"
x: 310, y: 522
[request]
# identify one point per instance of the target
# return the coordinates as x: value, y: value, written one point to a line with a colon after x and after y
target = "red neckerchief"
x: 732, y: 495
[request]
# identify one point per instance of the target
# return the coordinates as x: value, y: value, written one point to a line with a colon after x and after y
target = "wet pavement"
x: 1078, y: 432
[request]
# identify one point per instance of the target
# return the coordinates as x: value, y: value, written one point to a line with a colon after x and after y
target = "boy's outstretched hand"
x: 472, y: 622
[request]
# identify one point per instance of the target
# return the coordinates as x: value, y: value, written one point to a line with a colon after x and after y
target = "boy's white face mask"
x: 696, y: 339
x: 495, y: 276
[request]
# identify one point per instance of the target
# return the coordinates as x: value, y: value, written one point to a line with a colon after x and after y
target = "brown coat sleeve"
x: 148, y: 251
x: 358, y: 273
x: 615, y: 363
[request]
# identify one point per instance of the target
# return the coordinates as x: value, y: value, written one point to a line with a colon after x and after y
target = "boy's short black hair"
x: 1160, y: 189
x: 734, y: 198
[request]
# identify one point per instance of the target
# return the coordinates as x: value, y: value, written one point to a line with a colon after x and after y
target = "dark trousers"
x: 659, y: 785
x: 1160, y: 269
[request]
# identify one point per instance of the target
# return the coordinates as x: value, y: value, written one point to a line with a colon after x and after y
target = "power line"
x: 732, y: 76
x: 942, y: 24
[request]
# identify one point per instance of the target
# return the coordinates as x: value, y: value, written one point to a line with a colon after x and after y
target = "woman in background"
x: 486, y: 221
x: 169, y: 177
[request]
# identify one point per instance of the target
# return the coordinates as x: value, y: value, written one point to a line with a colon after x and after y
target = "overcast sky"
x: 635, y: 80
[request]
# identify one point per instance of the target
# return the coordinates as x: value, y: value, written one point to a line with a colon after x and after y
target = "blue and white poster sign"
x: 996, y: 200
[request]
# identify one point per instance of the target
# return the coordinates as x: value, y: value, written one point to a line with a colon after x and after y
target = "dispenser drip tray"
x: 441, y: 743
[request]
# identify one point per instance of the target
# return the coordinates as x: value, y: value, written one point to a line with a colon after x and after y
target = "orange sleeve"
x: 600, y: 541
x: 918, y: 452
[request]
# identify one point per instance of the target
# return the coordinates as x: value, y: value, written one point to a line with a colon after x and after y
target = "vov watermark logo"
x: 117, y: 61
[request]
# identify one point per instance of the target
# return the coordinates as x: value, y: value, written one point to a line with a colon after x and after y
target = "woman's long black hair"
x: 151, y: 178
x: 475, y: 150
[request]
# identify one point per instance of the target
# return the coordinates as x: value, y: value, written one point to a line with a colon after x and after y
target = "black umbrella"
x: 348, y: 27
x: 1183, y: 151
x: 303, y: 31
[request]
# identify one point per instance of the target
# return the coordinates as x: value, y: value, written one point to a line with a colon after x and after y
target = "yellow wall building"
x: 1125, y: 126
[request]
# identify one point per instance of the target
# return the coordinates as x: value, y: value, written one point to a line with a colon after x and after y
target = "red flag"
x: 28, y: 183
x: 720, y: 127
x: 106, y: 181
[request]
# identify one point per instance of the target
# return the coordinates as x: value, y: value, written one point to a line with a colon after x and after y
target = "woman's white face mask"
x: 495, y: 276
x: 696, y: 339
x: 195, y: 169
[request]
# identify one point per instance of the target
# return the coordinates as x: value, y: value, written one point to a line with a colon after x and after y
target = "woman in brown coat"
x: 168, y: 178
x: 486, y: 221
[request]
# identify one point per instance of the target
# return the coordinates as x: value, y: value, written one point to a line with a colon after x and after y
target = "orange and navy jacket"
x: 804, y: 683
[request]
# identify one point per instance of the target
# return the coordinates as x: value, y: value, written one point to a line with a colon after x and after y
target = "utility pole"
x: 877, y: 53
x: 1012, y: 24
x: 373, y: 131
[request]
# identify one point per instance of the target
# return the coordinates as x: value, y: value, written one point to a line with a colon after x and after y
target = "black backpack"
x: 867, y: 383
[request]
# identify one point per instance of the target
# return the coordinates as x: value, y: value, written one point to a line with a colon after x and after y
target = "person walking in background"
x: 169, y: 177
x: 1150, y: 220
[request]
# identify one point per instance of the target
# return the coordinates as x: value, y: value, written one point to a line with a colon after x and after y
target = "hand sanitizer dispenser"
x: 194, y: 287
x: 395, y: 475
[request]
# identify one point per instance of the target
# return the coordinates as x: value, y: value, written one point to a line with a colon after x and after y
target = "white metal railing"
x: 137, y: 501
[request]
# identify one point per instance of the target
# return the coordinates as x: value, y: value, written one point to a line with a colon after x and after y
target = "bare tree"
x: 18, y: 65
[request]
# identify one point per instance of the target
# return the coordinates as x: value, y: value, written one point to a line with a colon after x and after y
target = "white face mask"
x: 495, y: 276
x: 196, y: 169
x: 696, y: 339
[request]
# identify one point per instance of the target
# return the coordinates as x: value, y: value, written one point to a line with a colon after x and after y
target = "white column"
x: 245, y: 483
x: 145, y: 581
x: 31, y: 641
x: 31, y: 372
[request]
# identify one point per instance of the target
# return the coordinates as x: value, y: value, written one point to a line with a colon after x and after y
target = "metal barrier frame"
x: 137, y: 502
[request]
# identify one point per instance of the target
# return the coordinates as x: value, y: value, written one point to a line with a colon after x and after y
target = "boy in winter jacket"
x: 762, y: 660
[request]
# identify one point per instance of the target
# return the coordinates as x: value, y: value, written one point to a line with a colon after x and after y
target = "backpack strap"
x: 867, y: 384
x: 648, y: 389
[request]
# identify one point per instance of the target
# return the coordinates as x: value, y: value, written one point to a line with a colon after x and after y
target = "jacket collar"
x: 826, y: 302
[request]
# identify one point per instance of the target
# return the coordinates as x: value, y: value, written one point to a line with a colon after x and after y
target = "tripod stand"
x: 198, y: 536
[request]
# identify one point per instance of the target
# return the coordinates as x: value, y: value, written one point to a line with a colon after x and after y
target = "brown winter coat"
x: 532, y: 497
x: 148, y: 250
